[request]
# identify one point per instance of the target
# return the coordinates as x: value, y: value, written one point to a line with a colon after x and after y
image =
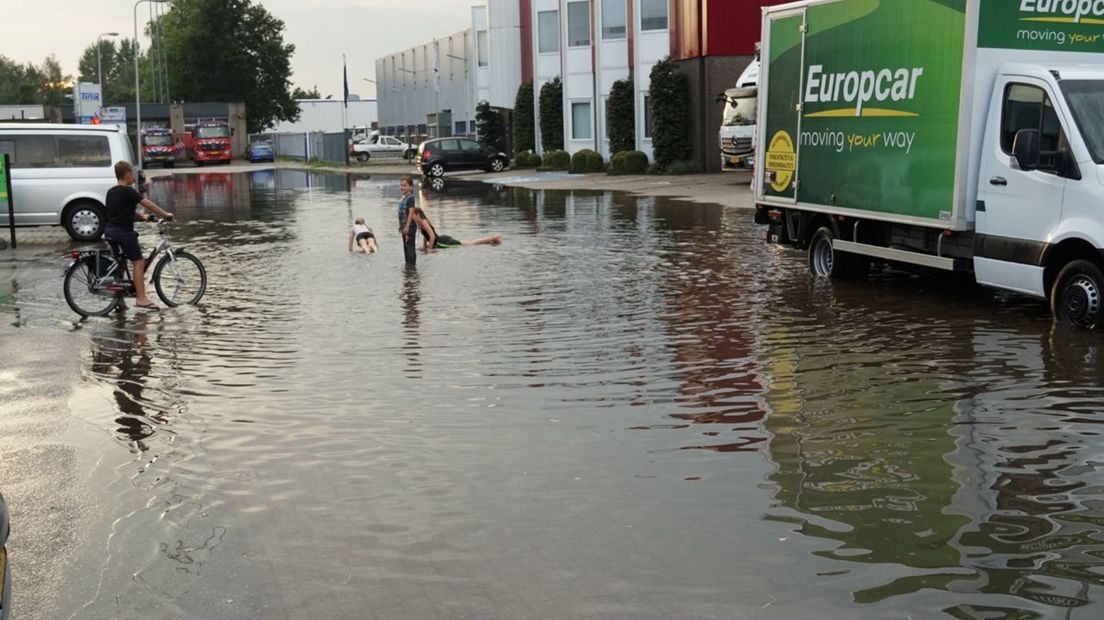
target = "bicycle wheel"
x: 180, y: 279
x: 81, y: 292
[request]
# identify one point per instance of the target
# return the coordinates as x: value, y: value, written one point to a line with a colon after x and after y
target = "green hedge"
x: 621, y: 116
x: 684, y: 166
x: 551, y: 115
x: 587, y: 160
x: 524, y: 135
x: 669, y: 93
x: 557, y: 160
x: 524, y: 159
x: 535, y: 160
x: 629, y: 162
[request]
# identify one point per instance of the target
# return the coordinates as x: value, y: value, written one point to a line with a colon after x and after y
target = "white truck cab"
x: 737, y: 134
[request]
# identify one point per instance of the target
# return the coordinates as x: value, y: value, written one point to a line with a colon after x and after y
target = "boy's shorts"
x: 445, y: 241
x: 127, y: 240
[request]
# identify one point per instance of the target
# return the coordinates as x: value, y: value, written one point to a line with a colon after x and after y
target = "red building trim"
x: 526, y: 41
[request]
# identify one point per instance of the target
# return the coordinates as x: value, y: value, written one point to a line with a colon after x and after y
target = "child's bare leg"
x: 372, y: 247
x: 363, y: 243
x: 492, y: 240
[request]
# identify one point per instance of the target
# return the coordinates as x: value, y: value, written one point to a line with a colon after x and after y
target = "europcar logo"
x: 1063, y: 11
x: 858, y: 88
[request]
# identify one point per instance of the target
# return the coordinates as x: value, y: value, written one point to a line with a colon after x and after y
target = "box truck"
x: 957, y: 135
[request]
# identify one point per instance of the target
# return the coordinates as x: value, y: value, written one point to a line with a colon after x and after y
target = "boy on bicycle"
x: 122, y: 203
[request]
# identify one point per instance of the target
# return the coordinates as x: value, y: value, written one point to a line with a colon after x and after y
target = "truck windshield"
x: 1086, y: 101
x: 159, y: 140
x: 212, y: 132
x: 740, y: 112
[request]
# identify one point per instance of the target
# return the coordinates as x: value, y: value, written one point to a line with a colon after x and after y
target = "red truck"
x: 211, y: 142
x: 158, y: 147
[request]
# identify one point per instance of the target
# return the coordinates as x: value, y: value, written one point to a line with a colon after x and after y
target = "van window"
x: 83, y: 152
x: 37, y: 151
x: 48, y: 151
x: 1029, y: 107
x: 1086, y: 102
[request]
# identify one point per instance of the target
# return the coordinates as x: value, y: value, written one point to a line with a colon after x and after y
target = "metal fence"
x: 331, y: 148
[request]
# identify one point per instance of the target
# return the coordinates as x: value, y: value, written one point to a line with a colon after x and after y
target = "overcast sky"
x: 320, y: 29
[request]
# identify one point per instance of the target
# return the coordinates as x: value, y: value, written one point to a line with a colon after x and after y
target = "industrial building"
x: 432, y: 89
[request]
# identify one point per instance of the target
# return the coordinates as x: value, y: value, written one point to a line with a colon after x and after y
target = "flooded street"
x: 633, y: 408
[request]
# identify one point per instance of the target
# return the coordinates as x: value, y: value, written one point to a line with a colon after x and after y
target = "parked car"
x: 261, y: 150
x: 5, y: 571
x: 381, y: 146
x: 61, y: 173
x: 436, y: 157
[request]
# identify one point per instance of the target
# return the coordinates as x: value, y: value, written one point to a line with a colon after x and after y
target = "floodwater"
x: 633, y: 408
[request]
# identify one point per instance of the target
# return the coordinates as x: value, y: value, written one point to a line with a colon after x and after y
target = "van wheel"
x: 84, y: 221
x: 1078, y: 295
x: 826, y: 262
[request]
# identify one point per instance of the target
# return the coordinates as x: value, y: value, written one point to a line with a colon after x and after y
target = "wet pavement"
x: 633, y: 408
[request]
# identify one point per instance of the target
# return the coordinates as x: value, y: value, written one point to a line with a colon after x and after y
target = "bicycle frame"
x: 118, y: 269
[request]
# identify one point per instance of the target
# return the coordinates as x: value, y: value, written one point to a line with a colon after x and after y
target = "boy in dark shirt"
x: 122, y: 202
x: 408, y: 228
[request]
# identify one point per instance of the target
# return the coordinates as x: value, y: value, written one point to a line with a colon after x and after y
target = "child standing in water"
x: 363, y: 237
x: 408, y: 228
x: 436, y: 241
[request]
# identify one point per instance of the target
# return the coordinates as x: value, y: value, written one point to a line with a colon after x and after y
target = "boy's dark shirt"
x: 121, y: 202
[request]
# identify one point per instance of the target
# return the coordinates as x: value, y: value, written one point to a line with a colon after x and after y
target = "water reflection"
x: 411, y: 298
x: 122, y: 359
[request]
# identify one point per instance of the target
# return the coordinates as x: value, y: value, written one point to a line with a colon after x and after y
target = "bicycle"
x: 96, y: 283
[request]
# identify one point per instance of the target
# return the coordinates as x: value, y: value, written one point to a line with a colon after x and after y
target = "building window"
x: 548, y: 32
x: 471, y: 127
x: 613, y: 19
x: 461, y: 127
x: 653, y: 14
x: 581, y: 121
x: 578, y: 24
x: 481, y: 43
x: 647, y: 117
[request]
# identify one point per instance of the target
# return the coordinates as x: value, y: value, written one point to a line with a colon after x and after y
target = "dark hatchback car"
x: 436, y: 157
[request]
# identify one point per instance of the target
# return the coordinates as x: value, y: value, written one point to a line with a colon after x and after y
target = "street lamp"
x: 99, y: 66
x: 137, y: 83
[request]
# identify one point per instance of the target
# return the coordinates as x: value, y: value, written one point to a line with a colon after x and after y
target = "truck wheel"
x: 826, y: 262
x: 1078, y: 295
x: 362, y: 157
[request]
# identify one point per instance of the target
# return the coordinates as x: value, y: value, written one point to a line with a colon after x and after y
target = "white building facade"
x: 330, y: 115
x: 432, y: 90
x: 590, y: 44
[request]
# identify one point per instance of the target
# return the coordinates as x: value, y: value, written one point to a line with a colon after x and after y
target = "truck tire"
x: 1077, y: 297
x: 826, y: 262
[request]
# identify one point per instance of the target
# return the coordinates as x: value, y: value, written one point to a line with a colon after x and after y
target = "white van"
x: 61, y: 173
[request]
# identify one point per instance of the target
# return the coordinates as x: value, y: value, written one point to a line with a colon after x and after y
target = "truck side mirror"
x: 720, y: 99
x: 1025, y: 150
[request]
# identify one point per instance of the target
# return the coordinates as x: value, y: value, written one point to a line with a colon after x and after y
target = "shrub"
x: 524, y: 138
x: 489, y: 127
x: 535, y: 160
x: 621, y: 115
x: 635, y: 162
x: 557, y: 160
x: 587, y: 160
x: 628, y: 162
x: 594, y: 162
x: 684, y: 166
x: 617, y: 163
x: 523, y: 159
x: 669, y: 92
x: 551, y: 115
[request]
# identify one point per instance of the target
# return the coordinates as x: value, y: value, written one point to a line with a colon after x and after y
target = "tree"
x: 524, y: 139
x: 551, y: 115
x: 118, y: 71
x: 19, y: 83
x: 669, y: 92
x: 299, y: 93
x: 230, y: 50
x: 490, y: 130
x: 621, y: 115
